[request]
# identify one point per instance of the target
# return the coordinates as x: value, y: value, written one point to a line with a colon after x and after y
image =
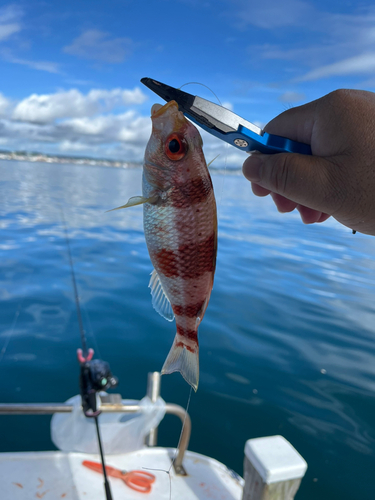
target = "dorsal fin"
x: 159, y: 299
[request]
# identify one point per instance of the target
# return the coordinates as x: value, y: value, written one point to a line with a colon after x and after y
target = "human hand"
x: 339, y: 179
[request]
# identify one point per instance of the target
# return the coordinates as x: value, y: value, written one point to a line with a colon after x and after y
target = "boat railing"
x: 112, y: 404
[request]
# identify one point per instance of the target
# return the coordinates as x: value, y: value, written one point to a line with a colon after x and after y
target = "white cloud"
x: 6, y: 30
x: 227, y: 105
x: 362, y: 64
x: 92, y: 124
x: 96, y: 124
x: 73, y: 104
x: 272, y: 14
x: 118, y: 97
x: 292, y: 97
x: 127, y: 127
x: 10, y: 24
x: 47, y: 108
x: 50, y: 67
x: 75, y: 81
x: 10, y: 13
x: 323, y: 44
x: 4, y: 105
x: 117, y: 136
x: 121, y: 137
x: 96, y: 44
x: 70, y: 146
x: 9, y: 21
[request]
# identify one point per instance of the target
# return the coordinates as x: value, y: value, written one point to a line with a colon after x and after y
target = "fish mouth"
x: 157, y: 111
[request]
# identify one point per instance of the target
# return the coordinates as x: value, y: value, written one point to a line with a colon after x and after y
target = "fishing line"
x: 79, y: 306
x: 177, y: 449
x: 7, y: 340
x: 76, y: 296
x: 90, y: 330
x: 87, y: 388
x: 203, y: 85
x: 226, y: 144
x: 222, y: 183
x: 190, y: 392
x: 183, y: 425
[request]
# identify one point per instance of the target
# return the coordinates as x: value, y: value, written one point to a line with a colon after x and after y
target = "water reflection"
x: 288, y: 338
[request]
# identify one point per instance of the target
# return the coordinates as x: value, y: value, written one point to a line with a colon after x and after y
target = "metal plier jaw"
x: 225, y: 124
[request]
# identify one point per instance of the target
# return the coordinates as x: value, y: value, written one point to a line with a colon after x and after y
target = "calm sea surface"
x: 287, y: 345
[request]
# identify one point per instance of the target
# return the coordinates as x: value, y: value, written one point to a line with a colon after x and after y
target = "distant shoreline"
x: 44, y: 158
x: 100, y: 162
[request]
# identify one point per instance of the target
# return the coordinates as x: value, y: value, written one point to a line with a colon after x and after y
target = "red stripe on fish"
x: 167, y: 262
x: 191, y: 192
x: 187, y: 334
x: 189, y: 261
x: 189, y: 311
x: 181, y: 344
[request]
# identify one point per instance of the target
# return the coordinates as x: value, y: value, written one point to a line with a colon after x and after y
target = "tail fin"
x: 183, y: 359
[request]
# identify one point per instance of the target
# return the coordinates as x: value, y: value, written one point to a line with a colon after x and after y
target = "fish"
x: 180, y: 226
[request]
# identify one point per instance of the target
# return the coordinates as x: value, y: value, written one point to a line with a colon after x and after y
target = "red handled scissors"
x: 136, y: 479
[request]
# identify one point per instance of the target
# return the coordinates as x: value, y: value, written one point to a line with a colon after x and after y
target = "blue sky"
x: 70, y: 71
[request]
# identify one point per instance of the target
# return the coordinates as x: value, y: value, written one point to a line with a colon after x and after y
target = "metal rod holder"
x: 118, y: 407
x: 153, y: 392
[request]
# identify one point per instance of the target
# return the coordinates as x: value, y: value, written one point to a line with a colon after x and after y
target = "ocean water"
x: 287, y: 345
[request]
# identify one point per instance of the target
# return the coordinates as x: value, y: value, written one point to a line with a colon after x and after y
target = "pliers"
x: 225, y: 124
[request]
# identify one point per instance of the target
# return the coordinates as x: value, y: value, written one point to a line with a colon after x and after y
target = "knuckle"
x: 339, y: 96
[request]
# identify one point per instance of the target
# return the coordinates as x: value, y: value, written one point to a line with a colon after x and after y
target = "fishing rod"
x: 95, y: 374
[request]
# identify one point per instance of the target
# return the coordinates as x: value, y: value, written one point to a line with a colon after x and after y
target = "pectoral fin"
x: 137, y: 200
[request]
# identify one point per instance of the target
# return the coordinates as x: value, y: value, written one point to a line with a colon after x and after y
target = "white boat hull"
x: 59, y: 475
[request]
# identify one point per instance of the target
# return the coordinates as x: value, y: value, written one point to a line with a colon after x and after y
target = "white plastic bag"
x: 120, y: 432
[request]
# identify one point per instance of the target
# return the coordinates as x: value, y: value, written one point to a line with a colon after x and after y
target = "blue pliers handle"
x: 225, y: 124
x: 247, y: 140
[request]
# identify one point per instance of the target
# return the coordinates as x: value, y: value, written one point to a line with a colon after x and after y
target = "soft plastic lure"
x: 138, y: 480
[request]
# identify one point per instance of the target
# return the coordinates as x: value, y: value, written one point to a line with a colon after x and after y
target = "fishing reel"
x: 95, y: 376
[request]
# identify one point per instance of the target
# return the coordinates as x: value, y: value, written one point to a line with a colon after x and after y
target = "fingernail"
x: 252, y: 166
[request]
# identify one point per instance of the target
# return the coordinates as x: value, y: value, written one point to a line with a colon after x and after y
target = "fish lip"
x: 164, y: 108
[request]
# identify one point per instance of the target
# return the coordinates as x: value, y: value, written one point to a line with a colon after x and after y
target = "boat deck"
x: 57, y: 475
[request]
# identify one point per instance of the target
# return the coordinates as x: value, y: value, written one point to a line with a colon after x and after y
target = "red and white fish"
x: 180, y: 224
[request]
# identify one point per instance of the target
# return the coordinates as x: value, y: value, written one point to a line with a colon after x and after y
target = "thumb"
x: 306, y: 180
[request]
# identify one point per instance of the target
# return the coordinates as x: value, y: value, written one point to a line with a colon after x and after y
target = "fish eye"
x: 175, y: 147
